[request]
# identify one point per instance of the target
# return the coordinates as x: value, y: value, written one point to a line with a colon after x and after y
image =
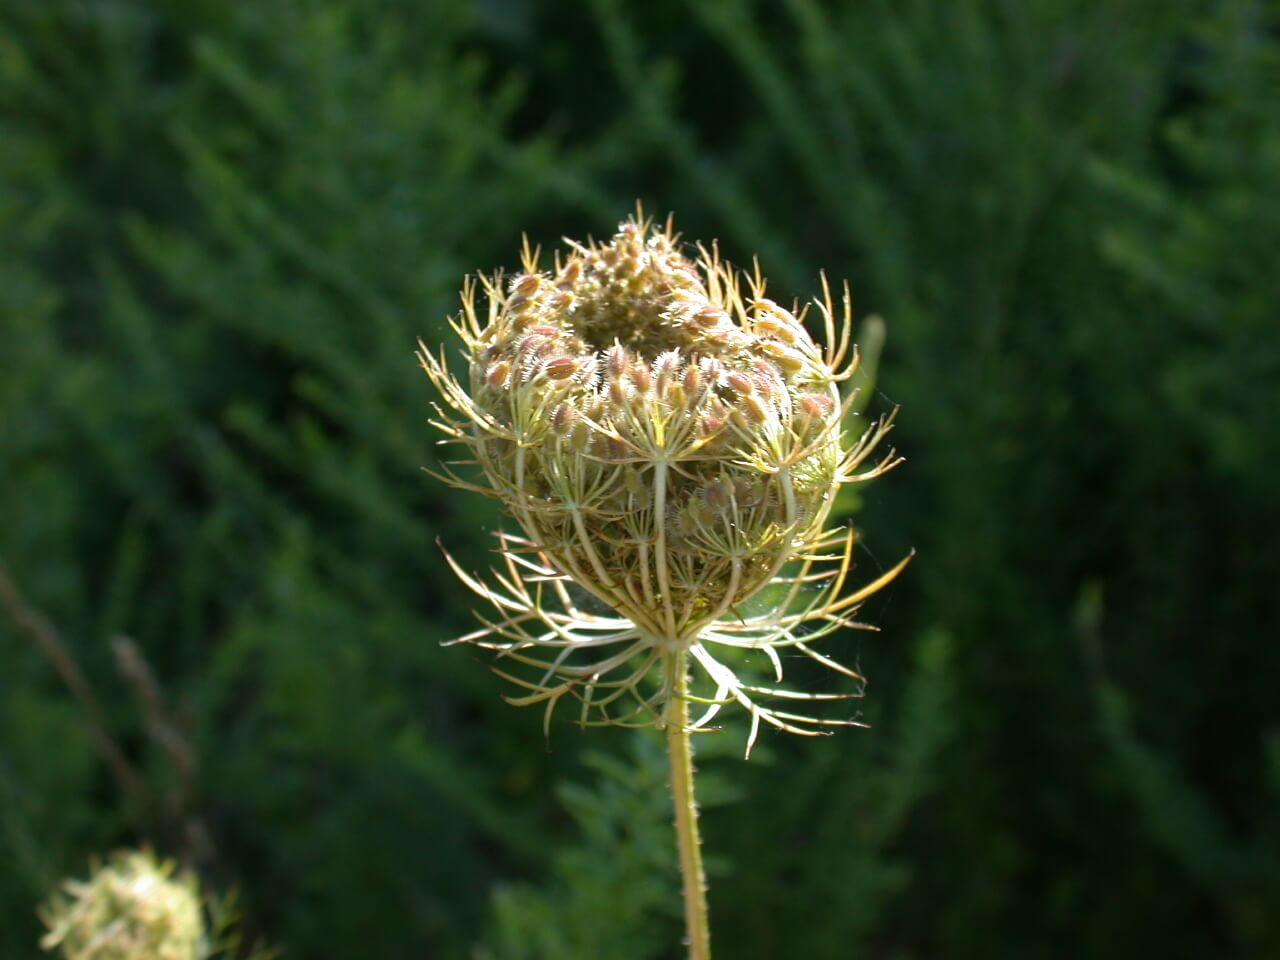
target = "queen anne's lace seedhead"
x: 669, y: 439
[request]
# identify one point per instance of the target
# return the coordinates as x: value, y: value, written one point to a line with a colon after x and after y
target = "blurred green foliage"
x: 222, y: 226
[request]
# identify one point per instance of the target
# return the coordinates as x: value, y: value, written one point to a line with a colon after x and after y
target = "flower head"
x: 134, y: 906
x: 670, y: 441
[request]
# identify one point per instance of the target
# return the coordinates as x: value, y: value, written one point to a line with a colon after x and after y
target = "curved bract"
x: 670, y: 441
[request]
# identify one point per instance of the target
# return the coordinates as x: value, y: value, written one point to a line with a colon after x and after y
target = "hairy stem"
x: 689, y: 842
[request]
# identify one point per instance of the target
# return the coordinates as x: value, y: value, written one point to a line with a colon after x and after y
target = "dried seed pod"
x: 498, y: 373
x: 691, y: 381
x: 788, y: 358
x: 563, y: 418
x: 524, y: 285
x: 568, y: 277
x: 618, y: 360
x: 640, y: 376
x: 718, y: 496
x: 816, y: 406
x: 580, y: 435
x: 766, y: 378
x: 710, y: 316
x: 773, y: 327
x: 620, y: 392
x: 755, y: 408
x: 740, y: 383
x: 561, y: 368
x: 665, y: 369
x: 523, y: 289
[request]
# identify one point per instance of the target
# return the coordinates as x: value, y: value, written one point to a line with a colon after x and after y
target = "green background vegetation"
x: 222, y: 226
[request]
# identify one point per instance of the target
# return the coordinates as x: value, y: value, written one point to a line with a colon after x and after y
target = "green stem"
x: 687, y: 839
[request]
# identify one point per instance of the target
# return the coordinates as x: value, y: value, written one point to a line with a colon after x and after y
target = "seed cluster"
x: 665, y: 438
x: 669, y: 439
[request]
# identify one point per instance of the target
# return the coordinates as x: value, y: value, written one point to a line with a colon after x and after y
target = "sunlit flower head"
x: 670, y: 441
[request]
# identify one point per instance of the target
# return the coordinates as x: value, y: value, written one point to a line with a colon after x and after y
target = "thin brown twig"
x: 137, y: 673
x: 38, y: 627
x: 175, y: 745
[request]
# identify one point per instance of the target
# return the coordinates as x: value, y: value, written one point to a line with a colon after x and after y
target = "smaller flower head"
x: 132, y: 908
